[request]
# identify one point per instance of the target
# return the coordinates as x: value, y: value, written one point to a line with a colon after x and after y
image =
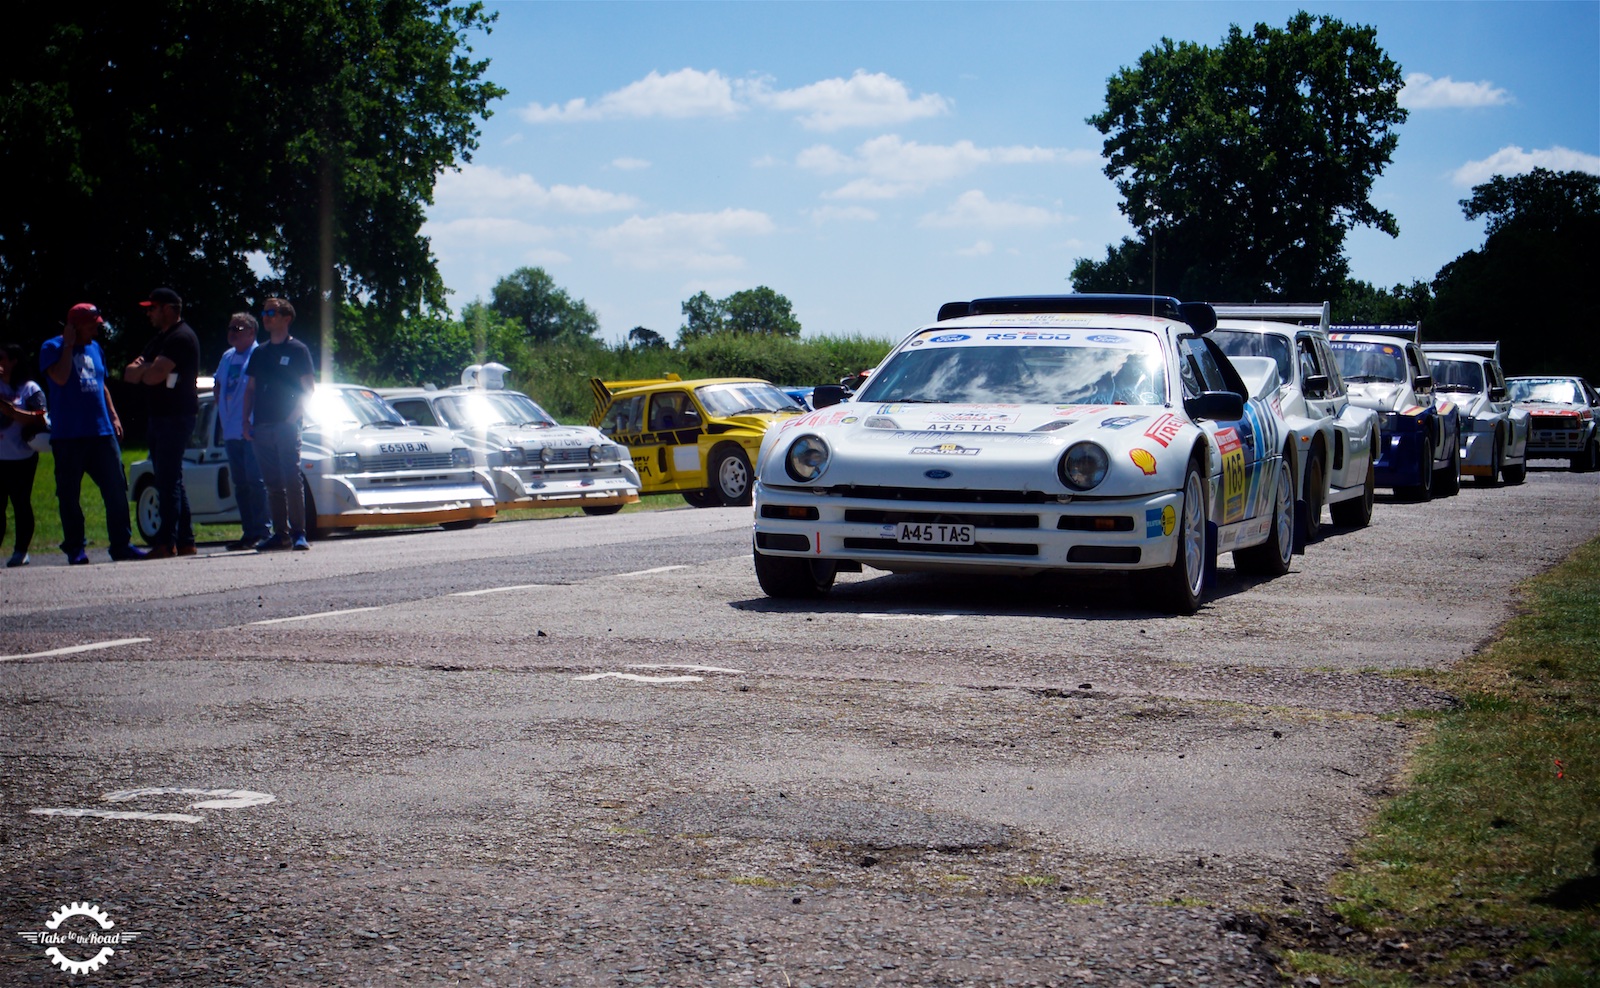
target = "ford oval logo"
x: 936, y: 474
x: 950, y: 338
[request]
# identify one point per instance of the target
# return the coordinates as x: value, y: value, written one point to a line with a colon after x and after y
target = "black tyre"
x: 1357, y: 512
x: 1589, y: 460
x: 1180, y: 588
x: 730, y: 474
x: 1516, y: 474
x: 602, y: 509
x: 793, y: 578
x: 1271, y: 558
x: 703, y: 499
x: 147, y: 511
x: 1422, y: 490
x: 459, y: 526
x: 1308, y: 527
x: 314, y: 532
x: 1448, y: 481
x: 1495, y: 465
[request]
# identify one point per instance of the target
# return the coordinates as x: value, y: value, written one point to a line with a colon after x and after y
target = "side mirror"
x: 1497, y: 393
x: 1219, y: 406
x: 1424, y: 382
x: 826, y: 394
x: 1316, y: 386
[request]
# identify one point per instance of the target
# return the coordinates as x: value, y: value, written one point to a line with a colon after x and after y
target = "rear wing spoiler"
x: 1300, y: 314
x: 603, y: 390
x: 1476, y: 349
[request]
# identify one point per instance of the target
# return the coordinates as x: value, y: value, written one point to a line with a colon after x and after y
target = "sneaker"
x: 188, y: 550
x: 128, y: 554
x: 17, y: 559
x: 300, y: 544
x: 78, y: 558
x: 273, y: 544
x: 161, y: 550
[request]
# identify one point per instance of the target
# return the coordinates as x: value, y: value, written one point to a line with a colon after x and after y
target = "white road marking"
x: 591, y: 677
x: 218, y: 799
x: 312, y: 617
x: 908, y: 617
x: 646, y: 572
x: 520, y: 586
x: 120, y: 815
x: 668, y: 665
x: 71, y: 649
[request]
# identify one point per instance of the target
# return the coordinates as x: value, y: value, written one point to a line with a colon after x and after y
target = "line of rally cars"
x: 1012, y: 435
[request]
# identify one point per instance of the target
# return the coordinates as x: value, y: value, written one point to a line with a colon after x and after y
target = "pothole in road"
x: 850, y: 822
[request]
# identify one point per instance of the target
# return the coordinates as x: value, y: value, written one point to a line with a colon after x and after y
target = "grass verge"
x: 1486, y: 868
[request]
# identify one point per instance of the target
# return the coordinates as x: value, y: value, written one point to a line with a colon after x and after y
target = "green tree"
x: 702, y: 316
x: 1242, y: 167
x: 645, y: 339
x: 1360, y: 302
x: 755, y: 311
x: 165, y: 142
x: 530, y: 298
x: 1524, y: 286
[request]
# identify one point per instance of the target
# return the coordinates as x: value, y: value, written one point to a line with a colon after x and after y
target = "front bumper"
x: 411, y: 498
x: 1081, y: 535
x: 527, y: 486
x: 1400, y: 457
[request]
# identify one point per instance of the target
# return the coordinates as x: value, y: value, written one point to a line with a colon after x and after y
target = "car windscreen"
x: 487, y: 410
x: 743, y: 399
x: 1242, y: 343
x: 1024, y: 367
x: 1552, y: 390
x: 1465, y: 376
x: 350, y: 408
x: 1364, y: 363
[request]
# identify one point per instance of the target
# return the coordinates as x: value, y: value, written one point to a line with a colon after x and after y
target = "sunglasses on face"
x: 268, y: 313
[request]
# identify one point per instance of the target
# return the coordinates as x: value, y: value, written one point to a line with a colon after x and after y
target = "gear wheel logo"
x: 53, y: 938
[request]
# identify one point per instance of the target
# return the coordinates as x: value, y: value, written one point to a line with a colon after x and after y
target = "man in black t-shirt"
x: 278, y: 381
x: 169, y: 368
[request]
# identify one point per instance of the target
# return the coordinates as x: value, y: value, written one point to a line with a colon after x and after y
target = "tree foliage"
x: 756, y: 311
x: 165, y: 142
x: 1527, y: 285
x: 531, y: 298
x: 1242, y: 167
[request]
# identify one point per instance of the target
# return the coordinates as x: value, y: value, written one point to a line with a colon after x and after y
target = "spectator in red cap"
x: 84, y: 434
x: 170, y: 369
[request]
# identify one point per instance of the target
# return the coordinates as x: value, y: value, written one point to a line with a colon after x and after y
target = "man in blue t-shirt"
x: 84, y: 430
x: 249, y: 492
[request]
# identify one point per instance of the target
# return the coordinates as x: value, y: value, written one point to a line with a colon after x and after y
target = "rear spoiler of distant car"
x: 1476, y: 349
x: 1408, y: 332
x: 1200, y: 316
x: 603, y: 390
x: 1300, y: 314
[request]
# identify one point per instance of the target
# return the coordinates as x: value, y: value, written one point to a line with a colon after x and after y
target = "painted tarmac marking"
x: 72, y: 649
x: 312, y: 617
x: 520, y: 586
x: 908, y: 617
x: 217, y: 799
x: 668, y: 665
x: 635, y: 677
x: 646, y: 572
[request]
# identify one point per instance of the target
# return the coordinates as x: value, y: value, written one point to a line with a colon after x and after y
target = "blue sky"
x: 872, y: 160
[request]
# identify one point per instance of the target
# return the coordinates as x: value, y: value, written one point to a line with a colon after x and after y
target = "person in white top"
x: 249, y: 491
x: 21, y: 417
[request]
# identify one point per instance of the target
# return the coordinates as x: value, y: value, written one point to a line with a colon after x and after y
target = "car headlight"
x: 347, y: 463
x: 807, y: 458
x: 461, y: 457
x: 513, y: 456
x: 1083, y: 466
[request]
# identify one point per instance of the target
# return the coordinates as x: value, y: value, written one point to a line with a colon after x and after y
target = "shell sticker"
x: 1144, y: 460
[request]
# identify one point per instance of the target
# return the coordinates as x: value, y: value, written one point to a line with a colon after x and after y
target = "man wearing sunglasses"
x: 169, y: 369
x: 278, y: 381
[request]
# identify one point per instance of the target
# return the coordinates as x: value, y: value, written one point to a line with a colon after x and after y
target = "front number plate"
x: 934, y: 534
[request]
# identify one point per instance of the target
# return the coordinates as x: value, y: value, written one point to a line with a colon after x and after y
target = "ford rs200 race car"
x: 1419, y: 453
x: 1076, y: 433
x: 1494, y: 432
x: 1562, y: 422
x: 360, y: 464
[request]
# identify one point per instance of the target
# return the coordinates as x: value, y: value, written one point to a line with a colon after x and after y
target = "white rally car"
x: 360, y: 464
x: 1021, y: 435
x: 1563, y: 419
x: 534, y: 460
x: 1494, y: 432
x: 1335, y: 440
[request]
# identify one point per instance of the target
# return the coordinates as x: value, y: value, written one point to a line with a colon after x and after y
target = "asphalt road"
x: 589, y: 751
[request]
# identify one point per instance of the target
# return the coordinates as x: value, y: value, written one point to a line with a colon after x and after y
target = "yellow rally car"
x: 694, y: 437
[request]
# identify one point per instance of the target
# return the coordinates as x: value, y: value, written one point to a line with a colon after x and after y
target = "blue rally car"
x: 1419, y: 453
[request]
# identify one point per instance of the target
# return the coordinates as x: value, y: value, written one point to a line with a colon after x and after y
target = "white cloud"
x: 629, y: 164
x: 1424, y: 92
x: 863, y: 100
x: 693, y: 241
x: 485, y: 231
x: 676, y: 96
x: 974, y: 209
x: 1513, y: 160
x: 894, y: 167
x: 476, y: 189
x: 982, y: 248
x: 842, y: 214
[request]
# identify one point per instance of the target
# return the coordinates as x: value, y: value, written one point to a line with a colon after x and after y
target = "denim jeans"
x: 100, y: 458
x: 278, y: 456
x: 248, y: 490
x: 169, y: 437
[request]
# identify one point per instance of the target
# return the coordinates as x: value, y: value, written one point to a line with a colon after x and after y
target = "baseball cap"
x: 163, y: 296
x: 84, y: 312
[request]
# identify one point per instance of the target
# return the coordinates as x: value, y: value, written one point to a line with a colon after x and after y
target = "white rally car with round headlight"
x: 1024, y: 435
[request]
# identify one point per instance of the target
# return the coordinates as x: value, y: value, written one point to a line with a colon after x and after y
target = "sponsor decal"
x: 1107, y: 338
x: 404, y: 448
x: 1121, y: 421
x: 92, y: 938
x: 1235, y: 478
x: 848, y: 420
x: 950, y: 338
x: 945, y: 449
x: 1160, y: 521
x: 1164, y: 429
x: 1028, y: 336
x: 1144, y: 460
x: 936, y: 474
x: 972, y: 417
